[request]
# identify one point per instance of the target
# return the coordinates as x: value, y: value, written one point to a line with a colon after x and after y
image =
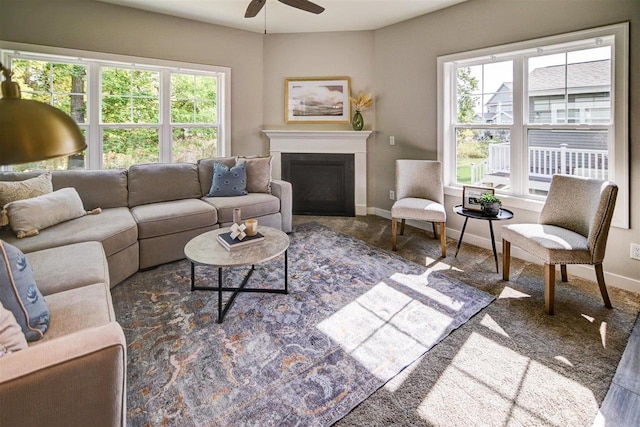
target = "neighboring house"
x: 587, y: 88
x: 500, y: 105
x: 583, y: 89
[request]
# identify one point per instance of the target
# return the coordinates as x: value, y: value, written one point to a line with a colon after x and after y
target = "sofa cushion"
x: 111, y: 182
x: 258, y: 174
x: 27, y: 217
x: 162, y: 182
x: 159, y: 219
x: 205, y: 171
x: 11, y: 190
x: 19, y: 293
x: 78, y: 309
x: 228, y: 181
x: 252, y: 205
x: 69, y: 266
x: 11, y: 337
x: 115, y: 228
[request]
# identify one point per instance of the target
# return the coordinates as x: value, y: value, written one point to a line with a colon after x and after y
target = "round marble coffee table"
x: 205, y: 250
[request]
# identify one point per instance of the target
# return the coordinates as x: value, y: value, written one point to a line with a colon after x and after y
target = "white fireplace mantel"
x: 313, y: 141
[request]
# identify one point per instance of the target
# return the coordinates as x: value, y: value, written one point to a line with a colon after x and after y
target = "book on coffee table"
x: 231, y: 244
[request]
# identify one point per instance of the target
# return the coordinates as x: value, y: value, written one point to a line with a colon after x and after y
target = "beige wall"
x: 397, y: 64
x: 317, y: 55
x: 405, y: 76
x: 314, y: 55
x: 95, y: 26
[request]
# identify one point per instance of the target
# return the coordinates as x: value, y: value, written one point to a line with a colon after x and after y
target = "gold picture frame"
x: 471, y: 194
x: 317, y: 100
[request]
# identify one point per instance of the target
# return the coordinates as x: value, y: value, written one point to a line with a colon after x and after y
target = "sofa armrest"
x: 75, y: 380
x: 282, y: 190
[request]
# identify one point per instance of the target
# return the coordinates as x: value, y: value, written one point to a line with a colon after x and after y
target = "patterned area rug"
x: 354, y: 318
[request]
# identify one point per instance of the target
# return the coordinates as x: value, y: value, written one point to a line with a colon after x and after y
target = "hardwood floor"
x: 621, y: 406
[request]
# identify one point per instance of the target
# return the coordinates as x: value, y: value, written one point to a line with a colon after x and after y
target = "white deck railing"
x: 544, y: 163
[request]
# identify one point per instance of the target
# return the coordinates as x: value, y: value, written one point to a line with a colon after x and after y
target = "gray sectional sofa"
x: 77, y: 372
x: 150, y: 211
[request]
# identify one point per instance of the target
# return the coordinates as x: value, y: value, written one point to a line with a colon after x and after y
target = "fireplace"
x: 352, y: 143
x: 322, y: 184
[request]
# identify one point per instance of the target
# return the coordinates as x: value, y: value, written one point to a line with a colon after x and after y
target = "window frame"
x: 94, y: 126
x: 520, y: 52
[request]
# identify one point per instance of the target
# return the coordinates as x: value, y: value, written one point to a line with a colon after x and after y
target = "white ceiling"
x: 339, y: 15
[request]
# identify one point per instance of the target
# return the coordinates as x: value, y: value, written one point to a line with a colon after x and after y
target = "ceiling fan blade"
x: 254, y: 7
x: 305, y: 5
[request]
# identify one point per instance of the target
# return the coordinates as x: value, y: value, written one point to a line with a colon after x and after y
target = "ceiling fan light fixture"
x: 255, y: 6
x: 305, y: 5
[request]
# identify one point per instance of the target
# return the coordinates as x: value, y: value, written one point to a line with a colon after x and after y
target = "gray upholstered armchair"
x: 419, y: 196
x: 572, y: 229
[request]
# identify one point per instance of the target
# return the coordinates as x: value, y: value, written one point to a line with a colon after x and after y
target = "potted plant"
x: 490, y: 204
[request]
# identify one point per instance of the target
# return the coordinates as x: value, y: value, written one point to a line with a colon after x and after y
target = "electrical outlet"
x: 635, y: 251
x: 392, y: 195
x: 392, y: 140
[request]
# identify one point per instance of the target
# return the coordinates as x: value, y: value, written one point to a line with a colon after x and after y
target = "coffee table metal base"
x: 223, y: 309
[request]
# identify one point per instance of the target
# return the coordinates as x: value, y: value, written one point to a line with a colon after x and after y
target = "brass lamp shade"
x: 31, y: 131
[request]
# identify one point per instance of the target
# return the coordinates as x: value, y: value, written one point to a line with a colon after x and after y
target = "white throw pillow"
x: 11, y: 337
x: 10, y: 191
x: 27, y: 217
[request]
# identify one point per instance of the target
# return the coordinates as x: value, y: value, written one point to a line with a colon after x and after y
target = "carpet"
x: 510, y: 365
x: 355, y: 317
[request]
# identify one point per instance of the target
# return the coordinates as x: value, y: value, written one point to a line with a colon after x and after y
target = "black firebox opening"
x: 322, y: 184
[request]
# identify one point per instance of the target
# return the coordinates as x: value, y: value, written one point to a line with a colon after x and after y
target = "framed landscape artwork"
x: 471, y: 196
x: 317, y: 100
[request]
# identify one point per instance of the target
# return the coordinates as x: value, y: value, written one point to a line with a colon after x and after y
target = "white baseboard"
x: 373, y: 211
x: 583, y: 271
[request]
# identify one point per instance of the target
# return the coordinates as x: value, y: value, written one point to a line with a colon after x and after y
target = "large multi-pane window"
x: 129, y: 113
x: 513, y: 116
x: 193, y: 111
x: 484, y: 98
x: 62, y: 85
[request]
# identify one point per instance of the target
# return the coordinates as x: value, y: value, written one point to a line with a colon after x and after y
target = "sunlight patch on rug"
x: 396, y: 382
x: 384, y: 330
x: 420, y: 283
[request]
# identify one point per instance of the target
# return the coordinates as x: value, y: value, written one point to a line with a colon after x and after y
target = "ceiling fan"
x: 256, y: 6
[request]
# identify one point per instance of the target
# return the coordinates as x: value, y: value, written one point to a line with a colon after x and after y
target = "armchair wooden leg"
x: 402, y: 227
x: 549, y: 286
x: 603, y: 288
x: 394, y: 234
x: 435, y: 234
x: 506, y: 259
x: 563, y: 272
x: 443, y: 238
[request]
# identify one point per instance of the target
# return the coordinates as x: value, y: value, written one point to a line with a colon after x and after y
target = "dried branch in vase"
x: 362, y: 102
